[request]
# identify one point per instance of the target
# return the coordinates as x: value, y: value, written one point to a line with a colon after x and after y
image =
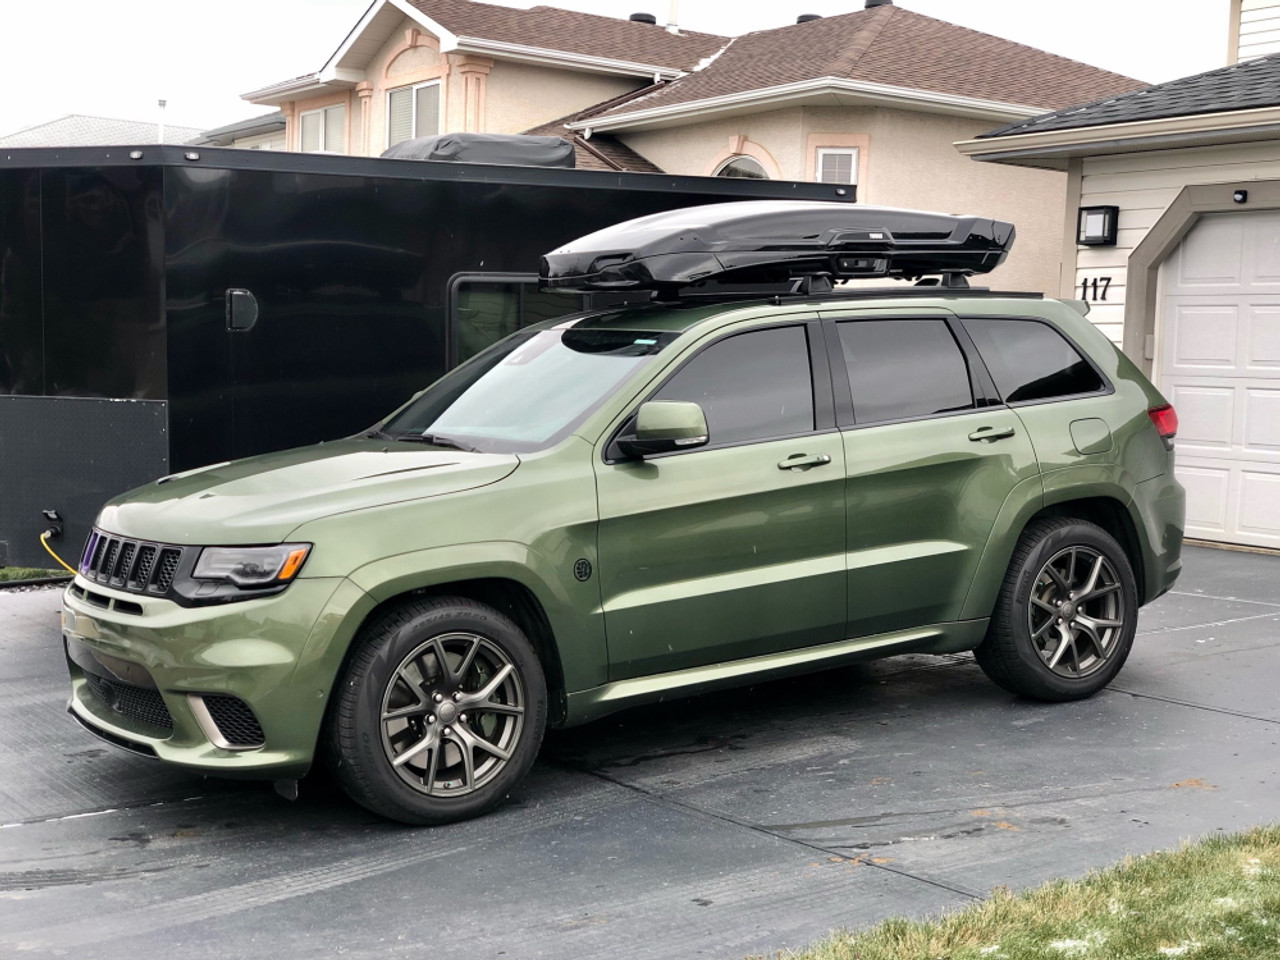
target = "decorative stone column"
x: 474, y: 72
x: 364, y: 97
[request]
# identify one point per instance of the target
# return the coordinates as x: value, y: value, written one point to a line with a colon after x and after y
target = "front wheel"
x: 441, y: 712
x: 1066, y: 615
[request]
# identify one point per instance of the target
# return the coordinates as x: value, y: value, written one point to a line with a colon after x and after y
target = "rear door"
x: 734, y: 549
x: 930, y: 459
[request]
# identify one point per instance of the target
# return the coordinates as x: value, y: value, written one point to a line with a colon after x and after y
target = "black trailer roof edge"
x: 269, y: 161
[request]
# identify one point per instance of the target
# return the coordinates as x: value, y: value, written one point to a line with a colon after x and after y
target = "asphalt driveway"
x: 719, y: 826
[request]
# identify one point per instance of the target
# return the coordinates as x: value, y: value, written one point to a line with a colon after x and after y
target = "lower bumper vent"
x: 235, y: 720
x: 136, y: 703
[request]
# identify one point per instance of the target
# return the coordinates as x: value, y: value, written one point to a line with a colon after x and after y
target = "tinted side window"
x: 751, y: 386
x: 904, y: 368
x: 1030, y: 360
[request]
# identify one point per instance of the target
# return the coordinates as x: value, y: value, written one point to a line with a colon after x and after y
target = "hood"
x: 262, y: 499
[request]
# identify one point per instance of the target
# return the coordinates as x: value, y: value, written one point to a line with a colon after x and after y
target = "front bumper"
x: 279, y: 655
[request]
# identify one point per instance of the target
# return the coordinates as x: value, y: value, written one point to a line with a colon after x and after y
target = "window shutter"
x: 310, y: 132
x: 399, y: 115
x: 838, y: 166
x: 427, y: 111
x: 335, y: 132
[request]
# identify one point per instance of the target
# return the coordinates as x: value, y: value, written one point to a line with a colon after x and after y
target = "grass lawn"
x: 10, y: 574
x: 1218, y: 899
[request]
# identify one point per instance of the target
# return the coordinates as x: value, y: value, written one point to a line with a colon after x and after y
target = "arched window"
x: 740, y: 166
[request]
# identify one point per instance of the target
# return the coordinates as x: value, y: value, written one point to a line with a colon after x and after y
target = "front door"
x: 735, y: 549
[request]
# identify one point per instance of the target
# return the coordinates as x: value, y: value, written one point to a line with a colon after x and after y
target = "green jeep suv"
x: 759, y: 473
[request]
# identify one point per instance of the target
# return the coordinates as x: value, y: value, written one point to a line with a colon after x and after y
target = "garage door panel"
x: 1262, y: 353
x: 1203, y: 338
x: 1262, y: 421
x: 1262, y: 253
x: 1207, y: 489
x: 1212, y: 254
x: 1205, y: 414
x: 1259, y: 512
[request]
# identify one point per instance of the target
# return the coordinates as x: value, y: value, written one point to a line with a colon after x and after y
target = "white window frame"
x: 855, y: 153
x: 413, y: 108
x: 320, y: 111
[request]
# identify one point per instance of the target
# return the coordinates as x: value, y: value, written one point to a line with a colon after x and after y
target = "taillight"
x: 1166, y: 420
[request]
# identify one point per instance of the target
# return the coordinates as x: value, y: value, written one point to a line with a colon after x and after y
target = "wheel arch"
x: 506, y: 595
x: 1108, y: 506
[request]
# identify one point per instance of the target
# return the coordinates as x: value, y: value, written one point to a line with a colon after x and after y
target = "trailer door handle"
x: 242, y: 310
x: 991, y: 434
x: 803, y: 461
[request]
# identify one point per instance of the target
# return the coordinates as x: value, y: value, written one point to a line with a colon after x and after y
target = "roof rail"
x: 777, y: 242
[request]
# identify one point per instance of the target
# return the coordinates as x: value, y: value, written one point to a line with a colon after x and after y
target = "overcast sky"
x: 116, y: 59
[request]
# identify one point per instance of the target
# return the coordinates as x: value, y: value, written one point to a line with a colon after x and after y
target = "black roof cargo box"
x: 773, y: 241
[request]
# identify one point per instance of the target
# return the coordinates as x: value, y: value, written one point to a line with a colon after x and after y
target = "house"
x: 78, y: 130
x: 266, y: 132
x: 1173, y: 235
x: 872, y: 100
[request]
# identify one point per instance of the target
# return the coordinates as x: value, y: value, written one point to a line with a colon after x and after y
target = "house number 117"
x: 1095, y: 288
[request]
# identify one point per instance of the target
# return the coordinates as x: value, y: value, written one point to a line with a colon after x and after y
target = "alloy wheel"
x: 1076, y: 613
x: 452, y: 714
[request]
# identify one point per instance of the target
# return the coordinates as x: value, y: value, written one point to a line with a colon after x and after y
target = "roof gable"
x: 894, y: 47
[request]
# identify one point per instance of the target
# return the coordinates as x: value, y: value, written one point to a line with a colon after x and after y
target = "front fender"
x: 572, y: 607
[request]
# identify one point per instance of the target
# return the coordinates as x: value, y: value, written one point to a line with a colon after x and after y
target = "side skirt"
x: 596, y: 702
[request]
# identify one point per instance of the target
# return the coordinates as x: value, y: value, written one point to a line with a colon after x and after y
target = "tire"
x: 1065, y: 618
x: 422, y: 745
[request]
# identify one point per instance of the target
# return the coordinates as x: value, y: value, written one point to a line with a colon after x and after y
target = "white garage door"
x: 1218, y: 362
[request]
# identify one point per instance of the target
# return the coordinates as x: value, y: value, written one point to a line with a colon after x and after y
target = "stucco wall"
x: 1143, y: 185
x: 913, y: 163
x: 520, y: 95
x: 908, y: 161
x: 772, y: 138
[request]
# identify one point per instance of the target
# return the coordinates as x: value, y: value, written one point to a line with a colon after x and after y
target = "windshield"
x: 528, y: 391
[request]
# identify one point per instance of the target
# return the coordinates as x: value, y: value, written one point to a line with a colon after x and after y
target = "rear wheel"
x: 440, y: 714
x: 1066, y: 615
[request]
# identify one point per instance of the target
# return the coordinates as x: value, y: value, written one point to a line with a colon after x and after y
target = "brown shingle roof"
x: 893, y: 46
x: 601, y: 152
x: 573, y: 32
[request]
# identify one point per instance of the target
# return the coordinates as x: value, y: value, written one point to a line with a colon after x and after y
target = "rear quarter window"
x: 1030, y: 360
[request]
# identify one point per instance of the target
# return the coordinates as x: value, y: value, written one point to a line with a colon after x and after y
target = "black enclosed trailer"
x: 126, y: 352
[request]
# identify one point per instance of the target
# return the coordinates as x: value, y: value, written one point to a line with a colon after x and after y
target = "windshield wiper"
x: 440, y: 440
x: 434, y: 439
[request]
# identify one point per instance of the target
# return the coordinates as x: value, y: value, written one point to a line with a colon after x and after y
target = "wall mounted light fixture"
x: 1097, y: 226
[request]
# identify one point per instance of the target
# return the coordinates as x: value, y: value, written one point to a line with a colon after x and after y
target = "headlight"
x: 252, y: 566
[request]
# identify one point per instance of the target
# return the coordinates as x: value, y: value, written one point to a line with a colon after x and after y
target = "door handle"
x: 990, y: 434
x: 803, y: 461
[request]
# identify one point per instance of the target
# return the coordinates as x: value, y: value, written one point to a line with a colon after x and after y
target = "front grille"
x: 136, y: 703
x: 134, y: 566
x: 169, y: 558
x: 235, y: 720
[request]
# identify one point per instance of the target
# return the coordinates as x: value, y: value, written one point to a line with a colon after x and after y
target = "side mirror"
x: 663, y: 426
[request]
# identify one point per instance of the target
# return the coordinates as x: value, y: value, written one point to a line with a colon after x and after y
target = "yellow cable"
x: 44, y: 542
